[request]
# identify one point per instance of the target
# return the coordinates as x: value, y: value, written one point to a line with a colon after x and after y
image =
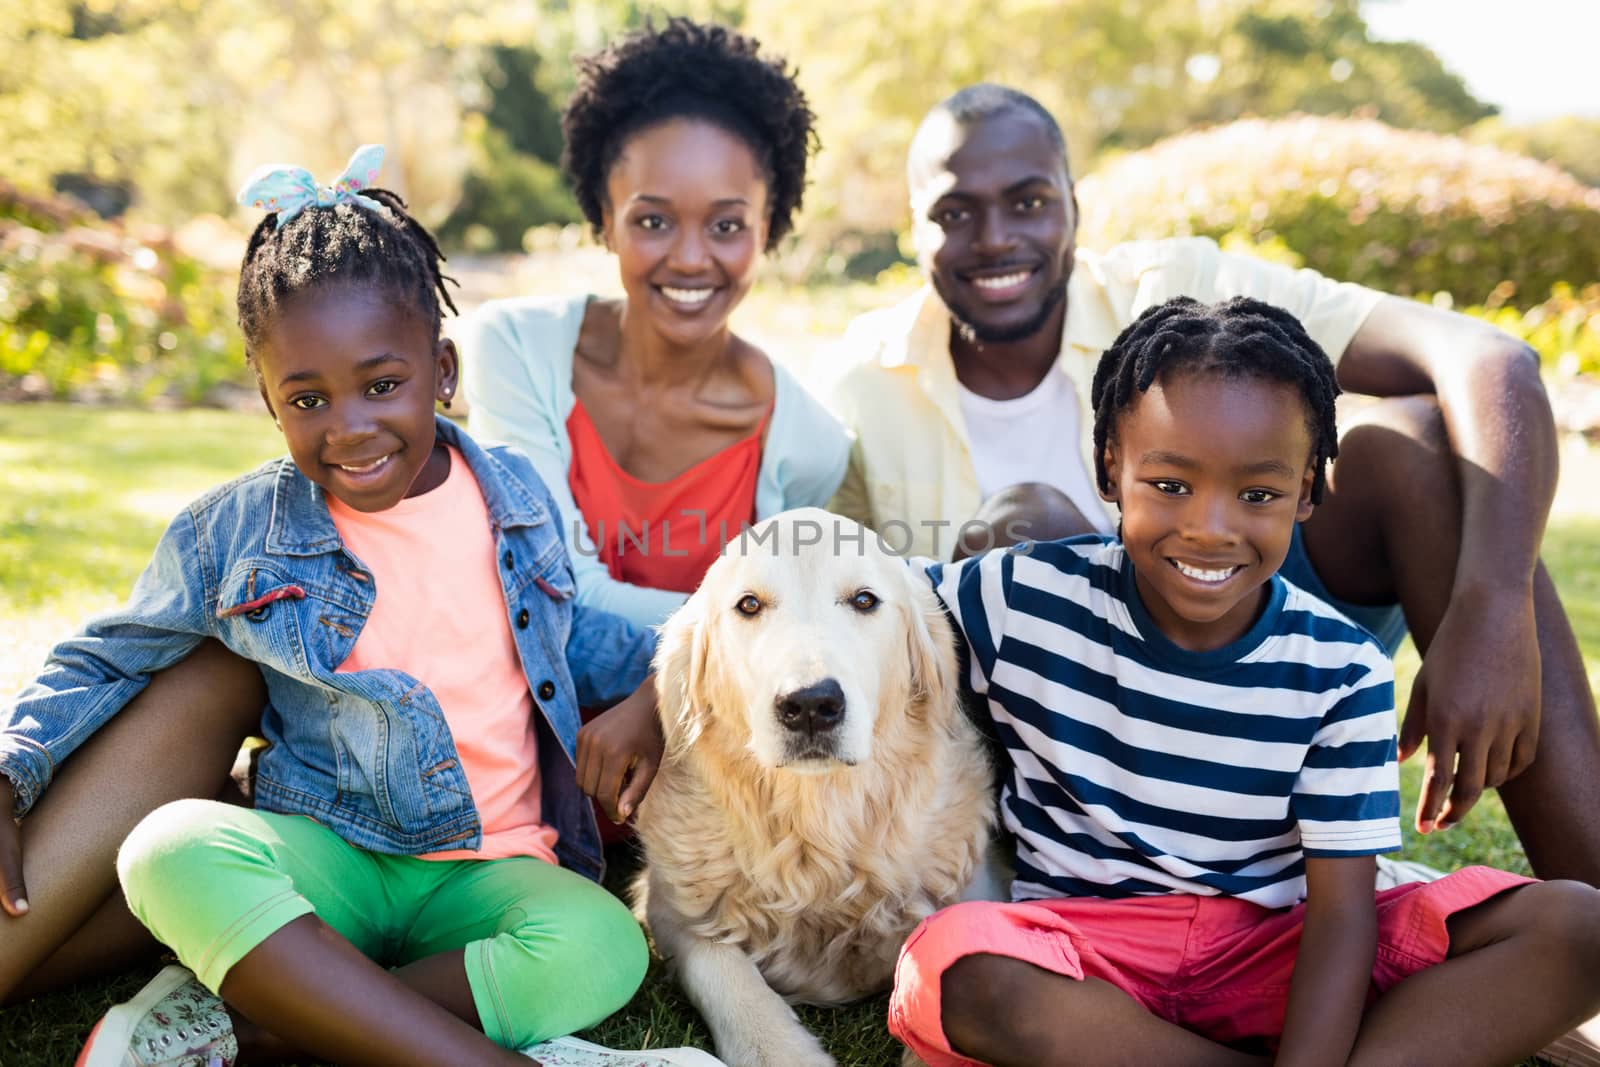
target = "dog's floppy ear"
x: 681, y: 662
x: 931, y: 649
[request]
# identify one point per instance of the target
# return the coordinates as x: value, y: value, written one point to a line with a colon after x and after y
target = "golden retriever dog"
x: 822, y: 791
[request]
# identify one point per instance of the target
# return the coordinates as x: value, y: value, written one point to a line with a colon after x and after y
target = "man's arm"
x: 1334, y: 967
x: 1478, y: 695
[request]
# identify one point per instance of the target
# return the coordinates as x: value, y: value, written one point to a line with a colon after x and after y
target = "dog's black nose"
x: 814, y: 709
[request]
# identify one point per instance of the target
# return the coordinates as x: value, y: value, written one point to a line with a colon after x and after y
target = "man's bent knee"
x: 1406, y: 431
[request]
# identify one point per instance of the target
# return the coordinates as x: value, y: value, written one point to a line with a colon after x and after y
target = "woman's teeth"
x: 1201, y: 575
x: 688, y: 297
x: 1003, y: 281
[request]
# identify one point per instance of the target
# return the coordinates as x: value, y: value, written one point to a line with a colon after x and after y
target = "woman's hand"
x: 13, y: 894
x: 619, y: 752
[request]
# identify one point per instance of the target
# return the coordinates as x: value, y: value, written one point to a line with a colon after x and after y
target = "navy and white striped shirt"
x: 1137, y: 767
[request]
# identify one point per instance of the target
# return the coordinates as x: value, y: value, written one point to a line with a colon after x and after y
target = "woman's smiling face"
x: 686, y: 215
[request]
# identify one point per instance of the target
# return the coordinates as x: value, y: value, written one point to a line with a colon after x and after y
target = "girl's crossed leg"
x: 176, y: 739
x: 285, y: 919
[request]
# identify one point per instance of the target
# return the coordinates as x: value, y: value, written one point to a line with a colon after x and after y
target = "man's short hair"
x: 985, y: 100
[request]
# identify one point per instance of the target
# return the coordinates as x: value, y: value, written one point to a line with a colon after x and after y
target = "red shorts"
x: 1215, y: 965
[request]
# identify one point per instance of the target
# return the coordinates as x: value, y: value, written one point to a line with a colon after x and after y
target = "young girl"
x: 1202, y: 769
x: 406, y: 596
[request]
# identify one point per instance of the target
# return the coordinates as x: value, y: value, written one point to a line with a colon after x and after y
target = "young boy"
x: 1202, y: 768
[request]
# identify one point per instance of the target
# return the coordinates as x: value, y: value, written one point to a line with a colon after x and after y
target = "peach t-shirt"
x: 440, y: 616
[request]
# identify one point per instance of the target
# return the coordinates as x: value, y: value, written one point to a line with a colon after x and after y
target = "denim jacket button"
x: 508, y: 559
x: 522, y: 619
x: 547, y: 689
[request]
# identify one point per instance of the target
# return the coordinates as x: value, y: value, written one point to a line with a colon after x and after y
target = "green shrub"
x: 91, y: 313
x: 1564, y: 329
x: 42, y: 212
x: 1402, y: 211
x: 1571, y: 142
x: 505, y: 193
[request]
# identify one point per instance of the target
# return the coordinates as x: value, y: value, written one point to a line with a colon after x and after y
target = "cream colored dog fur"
x: 822, y: 791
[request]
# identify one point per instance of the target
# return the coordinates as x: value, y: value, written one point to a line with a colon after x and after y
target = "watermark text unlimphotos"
x: 670, y: 538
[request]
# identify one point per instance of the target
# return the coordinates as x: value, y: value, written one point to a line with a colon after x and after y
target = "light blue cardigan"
x: 516, y: 366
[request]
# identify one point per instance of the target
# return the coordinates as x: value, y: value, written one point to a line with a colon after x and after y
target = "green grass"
x: 85, y: 493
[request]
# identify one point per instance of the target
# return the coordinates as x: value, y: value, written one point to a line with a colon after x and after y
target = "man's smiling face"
x: 994, y: 220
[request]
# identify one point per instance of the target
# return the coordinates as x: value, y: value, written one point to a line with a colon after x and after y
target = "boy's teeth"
x: 1204, y: 575
x: 687, y: 296
x: 1004, y: 281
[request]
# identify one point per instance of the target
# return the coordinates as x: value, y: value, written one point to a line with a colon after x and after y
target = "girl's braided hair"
x: 342, y: 244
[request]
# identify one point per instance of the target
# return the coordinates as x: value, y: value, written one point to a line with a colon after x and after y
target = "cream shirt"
x: 911, y: 475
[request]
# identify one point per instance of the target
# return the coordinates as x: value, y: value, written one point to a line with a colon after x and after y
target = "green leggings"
x: 547, y: 951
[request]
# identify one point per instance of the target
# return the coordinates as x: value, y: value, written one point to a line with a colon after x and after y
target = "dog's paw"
x: 792, y: 1047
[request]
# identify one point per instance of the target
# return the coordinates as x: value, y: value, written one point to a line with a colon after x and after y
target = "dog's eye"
x: 864, y: 601
x: 749, y: 604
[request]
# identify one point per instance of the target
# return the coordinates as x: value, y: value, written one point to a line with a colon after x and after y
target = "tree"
x: 1118, y: 74
x: 179, y: 98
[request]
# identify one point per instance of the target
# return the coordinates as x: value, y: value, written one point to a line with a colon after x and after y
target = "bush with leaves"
x: 506, y: 193
x: 95, y: 313
x: 1571, y: 142
x: 1402, y: 211
x: 1564, y: 329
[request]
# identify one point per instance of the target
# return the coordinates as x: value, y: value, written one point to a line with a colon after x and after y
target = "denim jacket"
x: 258, y: 564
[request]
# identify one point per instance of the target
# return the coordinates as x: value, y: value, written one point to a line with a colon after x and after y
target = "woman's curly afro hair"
x: 688, y: 70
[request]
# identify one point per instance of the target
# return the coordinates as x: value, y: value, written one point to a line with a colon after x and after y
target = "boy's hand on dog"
x: 619, y: 753
x: 13, y: 894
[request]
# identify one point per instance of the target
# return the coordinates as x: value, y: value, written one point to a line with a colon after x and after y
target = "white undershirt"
x: 1033, y: 438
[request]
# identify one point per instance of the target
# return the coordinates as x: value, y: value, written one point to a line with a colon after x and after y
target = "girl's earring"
x: 447, y: 395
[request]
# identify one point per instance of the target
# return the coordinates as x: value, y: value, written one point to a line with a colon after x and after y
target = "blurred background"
x: 1447, y: 150
x: 1444, y: 149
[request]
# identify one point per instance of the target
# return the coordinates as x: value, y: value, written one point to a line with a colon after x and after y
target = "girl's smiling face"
x: 686, y: 215
x: 351, y: 381
x: 1211, y: 474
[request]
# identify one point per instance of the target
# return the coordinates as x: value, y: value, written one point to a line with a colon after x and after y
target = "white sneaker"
x: 572, y: 1052
x: 174, y: 1021
x: 1393, y: 872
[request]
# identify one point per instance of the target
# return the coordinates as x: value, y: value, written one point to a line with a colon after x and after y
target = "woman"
x: 660, y: 431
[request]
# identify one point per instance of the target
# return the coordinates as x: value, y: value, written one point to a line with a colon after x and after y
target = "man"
x: 969, y: 401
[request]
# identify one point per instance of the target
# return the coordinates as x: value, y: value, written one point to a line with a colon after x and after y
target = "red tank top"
x: 663, y: 535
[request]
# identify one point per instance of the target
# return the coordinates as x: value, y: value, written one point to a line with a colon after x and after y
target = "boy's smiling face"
x: 351, y: 381
x: 1211, y: 475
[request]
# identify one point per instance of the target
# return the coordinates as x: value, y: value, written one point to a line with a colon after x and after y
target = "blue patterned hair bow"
x: 290, y: 190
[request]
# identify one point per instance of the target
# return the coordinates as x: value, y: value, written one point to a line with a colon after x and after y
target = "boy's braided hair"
x: 343, y: 244
x: 688, y: 70
x: 1239, y: 338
